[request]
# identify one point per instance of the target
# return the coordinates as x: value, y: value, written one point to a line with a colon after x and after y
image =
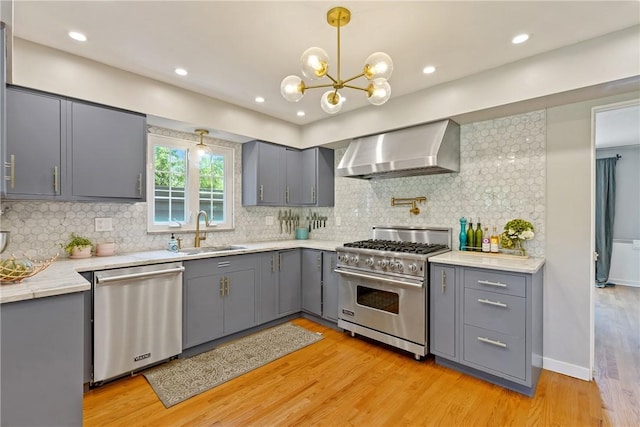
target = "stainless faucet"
x: 199, y: 238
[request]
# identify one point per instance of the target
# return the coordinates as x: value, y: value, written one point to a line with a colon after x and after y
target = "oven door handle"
x: 395, y: 281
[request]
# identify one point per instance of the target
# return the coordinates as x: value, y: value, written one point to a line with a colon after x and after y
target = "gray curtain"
x: 605, y: 213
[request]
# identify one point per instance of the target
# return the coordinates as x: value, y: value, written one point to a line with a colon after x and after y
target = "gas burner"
x: 396, y: 246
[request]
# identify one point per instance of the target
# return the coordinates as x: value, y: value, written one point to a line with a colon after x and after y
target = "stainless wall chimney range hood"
x: 427, y: 149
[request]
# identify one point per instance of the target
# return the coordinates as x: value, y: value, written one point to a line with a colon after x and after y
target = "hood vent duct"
x: 427, y: 149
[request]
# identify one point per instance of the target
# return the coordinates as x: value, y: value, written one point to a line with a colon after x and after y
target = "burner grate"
x: 396, y: 246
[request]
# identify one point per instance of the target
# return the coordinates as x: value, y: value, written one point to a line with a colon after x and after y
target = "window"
x: 181, y: 183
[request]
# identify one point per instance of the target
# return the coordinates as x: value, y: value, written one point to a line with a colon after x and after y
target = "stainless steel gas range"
x: 384, y: 283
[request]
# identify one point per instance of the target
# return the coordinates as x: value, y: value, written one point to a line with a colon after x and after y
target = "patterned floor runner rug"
x: 181, y: 379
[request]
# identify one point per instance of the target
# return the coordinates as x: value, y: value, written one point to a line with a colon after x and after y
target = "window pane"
x: 211, y: 190
x: 169, y: 184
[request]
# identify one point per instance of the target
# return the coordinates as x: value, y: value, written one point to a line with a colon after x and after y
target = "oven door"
x: 387, y: 304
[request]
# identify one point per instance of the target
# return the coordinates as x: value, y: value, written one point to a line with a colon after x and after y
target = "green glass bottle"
x: 470, y: 236
x: 477, y: 239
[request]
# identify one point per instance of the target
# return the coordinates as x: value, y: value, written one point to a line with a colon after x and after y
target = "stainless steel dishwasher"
x: 137, y: 318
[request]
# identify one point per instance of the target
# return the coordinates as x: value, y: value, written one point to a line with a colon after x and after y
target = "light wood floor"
x: 342, y: 381
x: 617, y: 333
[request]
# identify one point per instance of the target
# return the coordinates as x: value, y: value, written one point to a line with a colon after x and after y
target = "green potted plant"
x: 78, y: 246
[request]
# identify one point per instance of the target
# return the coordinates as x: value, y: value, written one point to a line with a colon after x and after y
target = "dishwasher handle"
x: 130, y: 276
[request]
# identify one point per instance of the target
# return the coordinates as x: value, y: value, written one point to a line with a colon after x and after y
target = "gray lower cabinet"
x: 279, y: 290
x: 329, y: 286
x: 488, y: 323
x: 62, y: 149
x: 320, y: 284
x: 219, y: 297
x: 41, y: 361
x: 312, y: 281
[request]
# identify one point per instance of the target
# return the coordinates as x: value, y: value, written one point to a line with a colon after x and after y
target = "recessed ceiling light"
x: 520, y: 38
x: 181, y: 71
x: 77, y: 36
x: 259, y: 99
x: 300, y: 113
x: 429, y: 69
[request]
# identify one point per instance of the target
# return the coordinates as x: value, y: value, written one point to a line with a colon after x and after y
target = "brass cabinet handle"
x: 287, y: 194
x: 226, y: 281
x: 222, y: 286
x: 140, y: 184
x: 313, y: 194
x: 279, y: 262
x: 56, y: 181
x: 443, y: 280
x: 319, y: 261
x: 273, y: 263
x: 261, y: 192
x: 12, y: 171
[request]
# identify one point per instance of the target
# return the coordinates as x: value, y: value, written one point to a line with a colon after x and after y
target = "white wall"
x: 568, y: 321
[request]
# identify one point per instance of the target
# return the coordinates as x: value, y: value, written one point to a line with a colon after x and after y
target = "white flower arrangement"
x: 516, y: 231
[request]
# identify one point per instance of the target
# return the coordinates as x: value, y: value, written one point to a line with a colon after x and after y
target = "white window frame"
x: 191, y: 191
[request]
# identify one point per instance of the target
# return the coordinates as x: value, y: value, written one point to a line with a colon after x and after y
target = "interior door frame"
x: 592, y: 240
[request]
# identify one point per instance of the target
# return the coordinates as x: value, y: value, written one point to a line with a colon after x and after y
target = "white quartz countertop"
x: 62, y: 277
x: 490, y: 261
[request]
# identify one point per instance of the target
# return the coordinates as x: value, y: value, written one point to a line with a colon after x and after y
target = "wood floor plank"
x: 345, y: 381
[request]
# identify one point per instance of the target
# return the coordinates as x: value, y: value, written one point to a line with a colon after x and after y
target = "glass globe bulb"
x: 331, y: 102
x: 378, y: 66
x: 378, y: 92
x: 292, y: 88
x: 314, y: 63
x: 200, y: 151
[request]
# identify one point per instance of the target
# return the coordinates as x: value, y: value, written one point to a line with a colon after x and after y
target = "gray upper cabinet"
x: 34, y: 163
x: 274, y: 175
x: 62, y: 149
x: 263, y: 174
x: 107, y: 153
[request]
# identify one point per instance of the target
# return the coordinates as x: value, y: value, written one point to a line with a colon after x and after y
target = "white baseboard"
x: 580, y: 372
x: 621, y: 282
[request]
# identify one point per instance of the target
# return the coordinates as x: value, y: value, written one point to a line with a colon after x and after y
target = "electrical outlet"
x: 338, y: 220
x: 104, y: 224
x: 268, y: 220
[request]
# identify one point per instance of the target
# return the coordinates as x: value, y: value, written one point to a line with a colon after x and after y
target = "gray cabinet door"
x: 268, y: 291
x: 240, y: 301
x: 329, y: 286
x: 289, y: 287
x: 309, y: 176
x: 107, y: 153
x: 35, y: 133
x: 325, y: 177
x: 294, y: 168
x: 443, y: 333
x: 203, y: 314
x: 312, y: 281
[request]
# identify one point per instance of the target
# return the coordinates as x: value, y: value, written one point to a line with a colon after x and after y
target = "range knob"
x: 399, y: 267
x: 343, y: 258
x: 369, y: 262
x: 413, y: 268
x: 354, y: 259
x: 383, y: 263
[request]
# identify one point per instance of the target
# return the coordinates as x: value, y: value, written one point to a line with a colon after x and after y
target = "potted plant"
x: 78, y: 246
x: 515, y: 233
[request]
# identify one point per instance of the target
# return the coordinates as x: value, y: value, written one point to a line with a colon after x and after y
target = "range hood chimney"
x: 426, y: 149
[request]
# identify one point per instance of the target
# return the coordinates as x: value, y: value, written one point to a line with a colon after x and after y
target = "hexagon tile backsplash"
x: 502, y: 177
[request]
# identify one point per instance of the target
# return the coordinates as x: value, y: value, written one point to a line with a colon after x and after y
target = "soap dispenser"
x: 172, y: 246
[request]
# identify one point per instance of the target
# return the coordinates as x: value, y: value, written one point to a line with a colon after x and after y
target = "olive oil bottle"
x: 477, y: 239
x: 470, y: 236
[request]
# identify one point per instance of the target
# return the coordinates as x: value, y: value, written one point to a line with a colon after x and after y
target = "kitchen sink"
x: 209, y: 250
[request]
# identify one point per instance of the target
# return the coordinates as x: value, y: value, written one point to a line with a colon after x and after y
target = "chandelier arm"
x: 317, y: 86
x: 353, y: 78
x: 335, y: 81
x: 365, y: 89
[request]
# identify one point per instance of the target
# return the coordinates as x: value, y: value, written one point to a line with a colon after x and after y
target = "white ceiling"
x: 237, y: 50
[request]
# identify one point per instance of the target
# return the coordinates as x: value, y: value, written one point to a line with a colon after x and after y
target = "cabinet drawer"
x: 504, y: 283
x: 496, y: 312
x: 219, y: 265
x: 498, y: 352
